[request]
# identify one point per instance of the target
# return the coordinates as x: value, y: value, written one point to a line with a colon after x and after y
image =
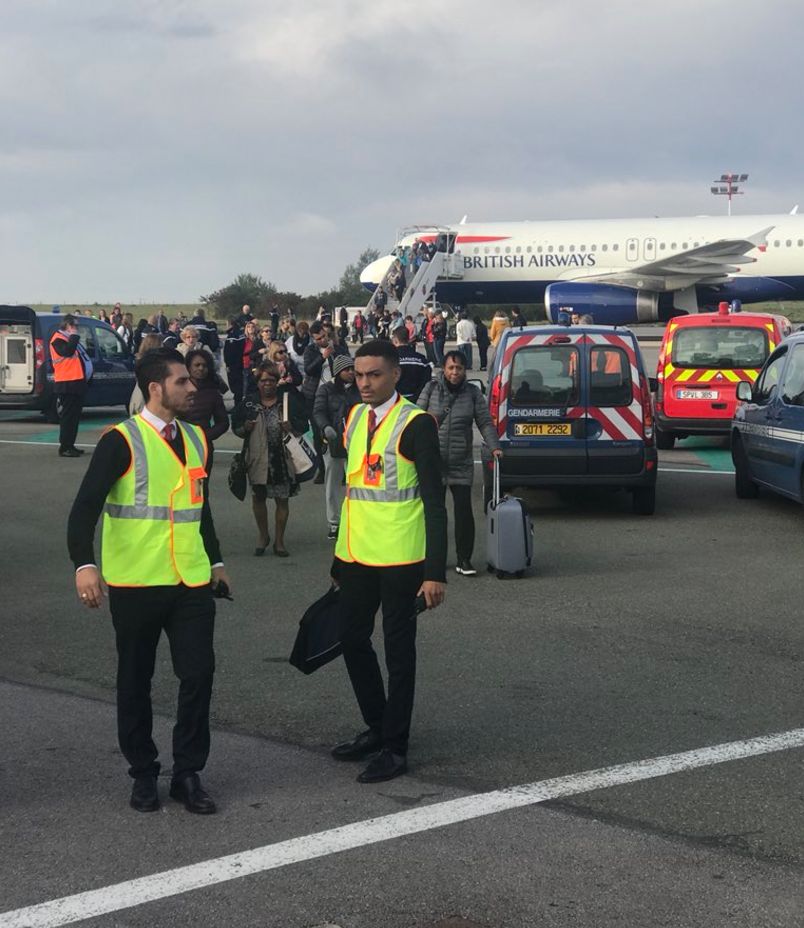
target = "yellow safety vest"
x: 382, y: 520
x: 152, y: 516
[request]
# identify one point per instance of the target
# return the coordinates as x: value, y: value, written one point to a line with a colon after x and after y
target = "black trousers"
x: 363, y: 591
x: 69, y: 406
x: 187, y: 615
x: 464, y: 520
x: 235, y: 375
x: 483, y: 351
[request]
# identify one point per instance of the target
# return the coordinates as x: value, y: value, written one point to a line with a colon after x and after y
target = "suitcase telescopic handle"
x: 495, y: 487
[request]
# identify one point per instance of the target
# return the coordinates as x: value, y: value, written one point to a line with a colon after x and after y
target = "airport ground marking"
x: 169, y: 883
x: 55, y: 444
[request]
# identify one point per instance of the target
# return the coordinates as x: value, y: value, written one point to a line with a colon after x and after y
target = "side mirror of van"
x: 745, y: 391
x: 478, y: 383
x: 653, y: 385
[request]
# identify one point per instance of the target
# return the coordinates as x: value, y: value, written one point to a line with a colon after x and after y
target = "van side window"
x: 545, y: 375
x: 769, y: 379
x: 610, y: 378
x: 793, y: 387
x: 87, y: 334
x: 110, y: 345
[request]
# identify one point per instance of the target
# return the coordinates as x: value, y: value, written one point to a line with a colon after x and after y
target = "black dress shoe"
x: 70, y: 453
x: 367, y: 742
x: 385, y: 766
x: 144, y: 795
x: 189, y: 791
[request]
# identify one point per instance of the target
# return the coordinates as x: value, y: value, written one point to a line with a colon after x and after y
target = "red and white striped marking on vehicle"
x: 621, y: 423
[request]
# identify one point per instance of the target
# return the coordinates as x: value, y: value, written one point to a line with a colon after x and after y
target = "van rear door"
x: 707, y: 362
x: 614, y: 428
x: 17, y: 350
x: 544, y: 411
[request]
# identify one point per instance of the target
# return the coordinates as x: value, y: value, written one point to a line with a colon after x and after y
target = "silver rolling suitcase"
x: 509, y: 533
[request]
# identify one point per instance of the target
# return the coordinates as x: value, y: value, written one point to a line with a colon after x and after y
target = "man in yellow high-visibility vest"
x: 160, y: 557
x: 391, y: 549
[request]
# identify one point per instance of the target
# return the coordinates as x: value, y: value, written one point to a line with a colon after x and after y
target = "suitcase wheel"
x: 519, y: 574
x: 501, y: 575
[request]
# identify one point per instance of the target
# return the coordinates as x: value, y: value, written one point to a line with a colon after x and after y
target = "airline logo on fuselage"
x: 487, y: 261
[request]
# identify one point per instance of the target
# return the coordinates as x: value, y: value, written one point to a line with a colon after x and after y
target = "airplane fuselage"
x: 514, y: 262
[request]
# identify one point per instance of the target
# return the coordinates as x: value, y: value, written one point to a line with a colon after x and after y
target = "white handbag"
x: 300, y: 456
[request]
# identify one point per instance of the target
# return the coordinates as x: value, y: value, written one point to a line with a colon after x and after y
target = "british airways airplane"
x: 621, y: 271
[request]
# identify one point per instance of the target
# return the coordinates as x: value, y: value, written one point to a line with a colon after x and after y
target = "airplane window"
x: 519, y: 249
x: 674, y: 246
x: 582, y: 248
x: 685, y: 245
x: 529, y: 249
x: 477, y: 251
x: 604, y: 247
x: 593, y: 247
x: 486, y: 251
x: 560, y: 247
x: 696, y: 244
x: 539, y: 249
x: 801, y: 242
x: 662, y: 246
x: 508, y: 249
x: 572, y: 248
x: 788, y: 243
x: 615, y: 247
x: 776, y: 243
x: 550, y: 248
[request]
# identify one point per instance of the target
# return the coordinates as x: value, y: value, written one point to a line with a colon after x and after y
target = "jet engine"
x: 606, y: 304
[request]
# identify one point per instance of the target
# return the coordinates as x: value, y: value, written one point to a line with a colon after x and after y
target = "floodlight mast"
x: 728, y: 186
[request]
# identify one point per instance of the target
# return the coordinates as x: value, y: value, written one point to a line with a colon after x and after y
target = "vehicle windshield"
x: 545, y: 376
x: 716, y: 346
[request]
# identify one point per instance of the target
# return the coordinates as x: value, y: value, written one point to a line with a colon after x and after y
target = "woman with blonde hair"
x: 289, y: 373
x: 499, y: 324
x: 149, y: 342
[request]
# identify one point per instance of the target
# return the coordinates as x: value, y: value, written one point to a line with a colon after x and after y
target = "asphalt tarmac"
x: 632, y: 638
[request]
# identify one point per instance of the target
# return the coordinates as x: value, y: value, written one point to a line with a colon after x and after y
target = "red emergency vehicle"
x: 702, y: 359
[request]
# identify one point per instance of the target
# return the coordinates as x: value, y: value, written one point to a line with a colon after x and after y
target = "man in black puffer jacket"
x: 456, y: 406
x: 333, y: 401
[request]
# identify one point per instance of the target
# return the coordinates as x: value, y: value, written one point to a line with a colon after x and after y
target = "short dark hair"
x: 266, y: 367
x: 154, y: 367
x: 316, y: 328
x: 204, y: 355
x: 401, y: 334
x: 69, y: 319
x: 457, y: 356
x: 379, y: 348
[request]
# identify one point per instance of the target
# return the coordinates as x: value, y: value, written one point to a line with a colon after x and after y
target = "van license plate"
x: 697, y: 394
x: 542, y: 429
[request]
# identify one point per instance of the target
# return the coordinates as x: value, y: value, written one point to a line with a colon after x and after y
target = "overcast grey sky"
x: 153, y: 149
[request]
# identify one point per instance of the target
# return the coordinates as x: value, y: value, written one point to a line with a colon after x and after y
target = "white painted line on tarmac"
x: 169, y: 883
x: 665, y: 470
x: 709, y: 473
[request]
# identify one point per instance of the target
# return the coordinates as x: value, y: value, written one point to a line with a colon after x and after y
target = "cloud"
x: 155, y: 147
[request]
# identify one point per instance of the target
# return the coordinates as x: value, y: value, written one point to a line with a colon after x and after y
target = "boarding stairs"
x: 422, y: 285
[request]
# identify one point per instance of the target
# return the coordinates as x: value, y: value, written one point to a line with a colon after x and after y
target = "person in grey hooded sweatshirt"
x: 457, y: 405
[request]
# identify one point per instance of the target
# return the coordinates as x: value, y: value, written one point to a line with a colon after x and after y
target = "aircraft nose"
x: 372, y: 274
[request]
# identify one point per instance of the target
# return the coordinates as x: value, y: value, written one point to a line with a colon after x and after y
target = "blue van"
x: 26, y: 372
x: 572, y: 406
x: 767, y: 437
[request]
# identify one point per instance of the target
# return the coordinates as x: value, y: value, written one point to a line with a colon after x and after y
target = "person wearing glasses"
x: 260, y: 421
x: 289, y: 373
